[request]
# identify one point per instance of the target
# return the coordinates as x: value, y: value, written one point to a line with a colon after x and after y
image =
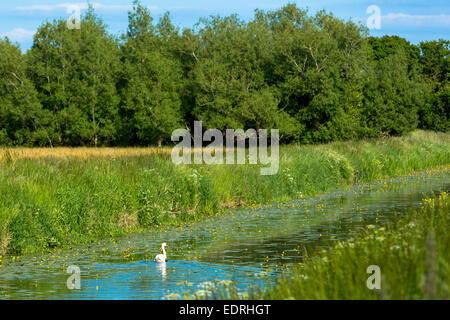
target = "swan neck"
x: 164, y: 251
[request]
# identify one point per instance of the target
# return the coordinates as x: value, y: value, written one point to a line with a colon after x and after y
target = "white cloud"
x: 411, y: 21
x: 19, y: 34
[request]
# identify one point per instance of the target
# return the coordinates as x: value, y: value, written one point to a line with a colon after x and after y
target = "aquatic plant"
x: 413, y: 255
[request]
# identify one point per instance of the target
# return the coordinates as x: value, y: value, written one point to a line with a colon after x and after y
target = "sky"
x: 415, y: 20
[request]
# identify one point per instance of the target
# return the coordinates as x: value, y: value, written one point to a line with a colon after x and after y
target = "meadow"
x: 60, y: 197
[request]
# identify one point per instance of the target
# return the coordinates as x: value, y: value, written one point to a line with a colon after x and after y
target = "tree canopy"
x: 316, y: 78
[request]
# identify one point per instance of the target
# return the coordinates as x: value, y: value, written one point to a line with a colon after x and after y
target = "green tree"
x: 229, y: 78
x: 154, y: 77
x: 388, y: 45
x: 318, y: 63
x: 22, y: 119
x: 75, y: 72
x: 435, y: 114
x: 392, y: 96
x: 315, y: 77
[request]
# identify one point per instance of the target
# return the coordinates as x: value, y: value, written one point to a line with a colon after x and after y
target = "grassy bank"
x: 413, y: 256
x: 58, y: 197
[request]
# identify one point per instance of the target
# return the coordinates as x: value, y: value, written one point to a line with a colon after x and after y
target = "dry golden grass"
x: 128, y: 220
x: 81, y: 152
x: 85, y: 152
x: 4, y: 242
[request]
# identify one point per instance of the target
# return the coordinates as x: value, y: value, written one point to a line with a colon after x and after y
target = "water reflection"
x: 162, y: 268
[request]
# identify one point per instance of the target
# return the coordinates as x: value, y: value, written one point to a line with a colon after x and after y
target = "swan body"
x: 162, y: 258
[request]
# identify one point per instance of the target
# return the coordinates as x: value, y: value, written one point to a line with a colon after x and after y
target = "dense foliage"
x: 316, y: 78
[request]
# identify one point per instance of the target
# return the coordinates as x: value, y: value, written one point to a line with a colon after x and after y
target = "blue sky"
x: 415, y: 20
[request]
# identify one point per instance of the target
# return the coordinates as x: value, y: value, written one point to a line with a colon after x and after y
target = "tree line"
x: 316, y: 78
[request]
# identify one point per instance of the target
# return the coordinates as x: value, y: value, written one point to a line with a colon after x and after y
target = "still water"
x: 250, y: 246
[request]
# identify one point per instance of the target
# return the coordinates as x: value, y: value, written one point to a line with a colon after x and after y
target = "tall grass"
x: 413, y: 256
x: 60, y: 197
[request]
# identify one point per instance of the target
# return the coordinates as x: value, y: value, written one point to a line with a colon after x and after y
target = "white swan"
x: 161, y: 258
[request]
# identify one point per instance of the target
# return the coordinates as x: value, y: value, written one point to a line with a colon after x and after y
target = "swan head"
x: 164, y: 245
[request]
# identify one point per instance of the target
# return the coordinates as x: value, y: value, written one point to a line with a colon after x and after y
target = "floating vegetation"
x: 412, y: 253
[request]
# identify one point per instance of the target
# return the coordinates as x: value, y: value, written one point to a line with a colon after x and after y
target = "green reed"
x: 52, y: 202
